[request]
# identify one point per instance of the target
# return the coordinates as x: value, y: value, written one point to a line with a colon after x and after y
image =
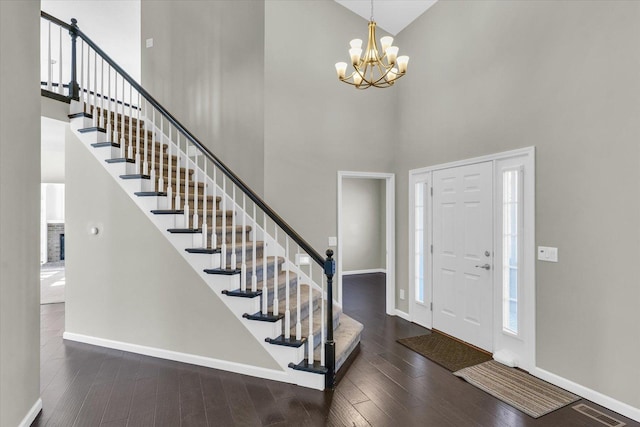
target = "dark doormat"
x: 446, y: 352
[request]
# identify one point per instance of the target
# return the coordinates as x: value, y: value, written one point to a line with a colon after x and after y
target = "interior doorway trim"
x: 390, y: 239
x: 528, y: 156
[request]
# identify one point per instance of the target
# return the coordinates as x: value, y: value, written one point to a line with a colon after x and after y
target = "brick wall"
x: 54, y: 230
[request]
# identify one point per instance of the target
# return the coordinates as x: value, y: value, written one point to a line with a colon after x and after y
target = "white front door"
x: 462, y: 253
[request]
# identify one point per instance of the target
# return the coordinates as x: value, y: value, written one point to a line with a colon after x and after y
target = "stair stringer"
x: 283, y: 355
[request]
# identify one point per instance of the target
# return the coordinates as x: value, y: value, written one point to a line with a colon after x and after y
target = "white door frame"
x: 528, y: 320
x: 390, y: 230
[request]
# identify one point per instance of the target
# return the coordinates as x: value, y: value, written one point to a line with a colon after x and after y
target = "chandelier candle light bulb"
x: 391, y: 75
x: 341, y: 68
x: 372, y: 69
x: 402, y: 62
x: 385, y: 42
x: 355, y: 53
x: 392, y: 54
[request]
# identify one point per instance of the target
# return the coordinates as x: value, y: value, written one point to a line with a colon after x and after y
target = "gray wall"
x: 363, y: 224
x: 255, y: 81
x: 119, y: 289
x: 485, y: 77
x: 207, y: 67
x: 315, y: 125
x: 19, y: 209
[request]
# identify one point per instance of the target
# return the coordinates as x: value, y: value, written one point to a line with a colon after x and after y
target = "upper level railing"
x: 80, y: 70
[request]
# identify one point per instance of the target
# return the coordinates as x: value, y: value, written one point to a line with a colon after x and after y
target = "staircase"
x: 262, y: 270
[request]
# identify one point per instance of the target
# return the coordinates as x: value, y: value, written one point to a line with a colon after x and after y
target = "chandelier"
x: 369, y: 67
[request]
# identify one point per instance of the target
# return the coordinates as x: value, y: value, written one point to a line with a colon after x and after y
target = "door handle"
x: 486, y: 266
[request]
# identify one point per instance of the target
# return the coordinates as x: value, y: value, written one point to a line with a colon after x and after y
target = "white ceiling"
x: 392, y: 16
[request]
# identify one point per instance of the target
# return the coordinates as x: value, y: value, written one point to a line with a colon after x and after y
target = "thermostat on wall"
x: 546, y: 253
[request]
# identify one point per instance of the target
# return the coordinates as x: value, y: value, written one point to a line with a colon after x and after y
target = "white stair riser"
x: 93, y: 137
x: 107, y: 152
x: 242, y: 305
x: 121, y: 168
x: 75, y: 107
x: 151, y: 203
x: 308, y: 379
x: 181, y: 240
x: 202, y: 261
x: 135, y: 185
x: 264, y: 329
x: 165, y: 221
x: 80, y: 123
x: 286, y: 354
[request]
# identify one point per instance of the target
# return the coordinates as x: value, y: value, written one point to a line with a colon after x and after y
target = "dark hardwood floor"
x: 387, y: 385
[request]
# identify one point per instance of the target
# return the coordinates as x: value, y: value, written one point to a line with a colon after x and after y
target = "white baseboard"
x: 403, y: 315
x: 224, y: 365
x: 32, y: 414
x: 372, y: 270
x: 589, y: 394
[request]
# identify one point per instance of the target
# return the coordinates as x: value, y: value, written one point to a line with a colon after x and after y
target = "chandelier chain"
x: 371, y: 19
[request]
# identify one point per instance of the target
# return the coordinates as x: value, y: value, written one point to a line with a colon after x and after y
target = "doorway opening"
x: 472, y: 252
x: 366, y: 229
x: 52, y: 211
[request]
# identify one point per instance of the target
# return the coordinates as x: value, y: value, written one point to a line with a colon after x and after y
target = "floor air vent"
x: 598, y: 416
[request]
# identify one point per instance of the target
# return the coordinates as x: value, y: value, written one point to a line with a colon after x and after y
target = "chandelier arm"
x: 369, y: 82
x: 384, y: 71
x: 363, y: 85
x: 362, y: 74
x: 349, y: 77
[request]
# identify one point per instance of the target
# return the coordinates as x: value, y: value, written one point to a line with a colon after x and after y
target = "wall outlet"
x: 149, y: 43
x: 548, y: 254
x: 401, y: 293
x: 333, y: 241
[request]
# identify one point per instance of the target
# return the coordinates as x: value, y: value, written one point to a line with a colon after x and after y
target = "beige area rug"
x: 525, y: 392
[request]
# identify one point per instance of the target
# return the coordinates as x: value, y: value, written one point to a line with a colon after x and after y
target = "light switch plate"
x: 149, y: 43
x: 303, y: 259
x: 546, y: 253
x: 333, y: 241
x: 401, y: 293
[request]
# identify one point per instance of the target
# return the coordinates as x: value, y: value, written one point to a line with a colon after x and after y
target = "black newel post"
x: 74, y: 89
x: 330, y: 346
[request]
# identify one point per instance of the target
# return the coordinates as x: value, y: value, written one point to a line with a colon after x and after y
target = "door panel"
x: 463, y: 244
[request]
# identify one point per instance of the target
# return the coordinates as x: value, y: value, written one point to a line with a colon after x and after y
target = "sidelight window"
x: 511, y: 247
x: 419, y: 230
